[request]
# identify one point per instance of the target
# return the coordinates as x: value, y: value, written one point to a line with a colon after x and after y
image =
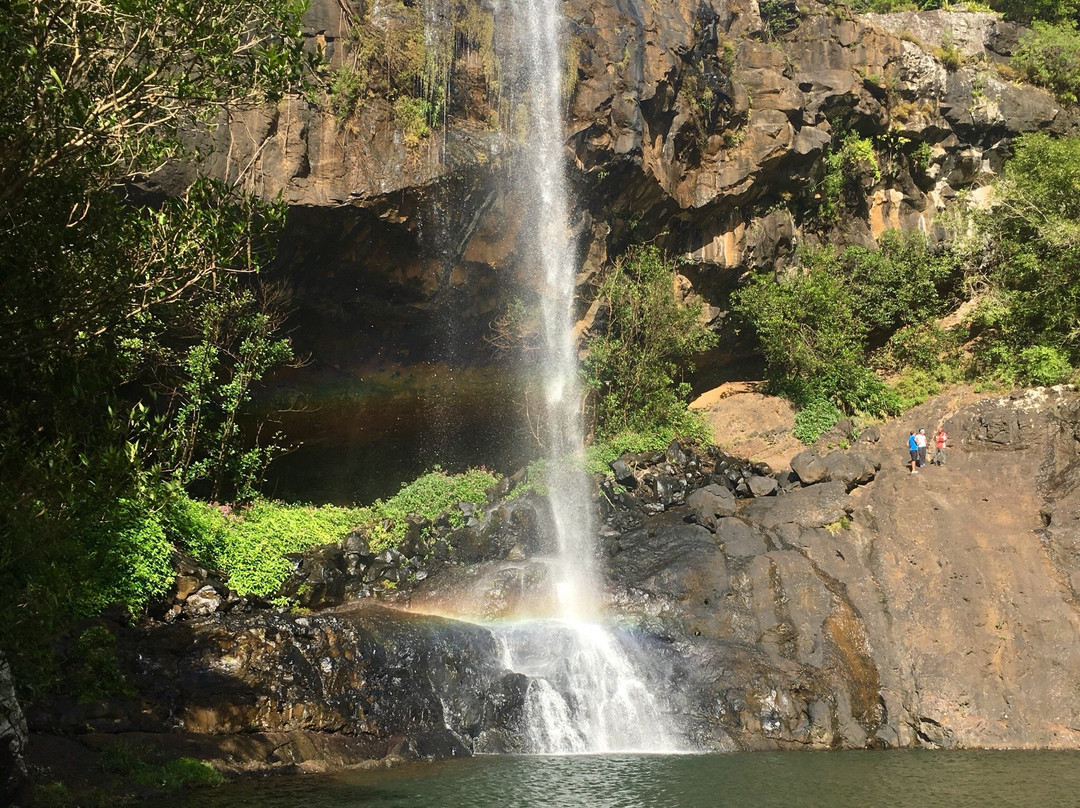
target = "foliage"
x: 923, y: 346
x: 429, y: 496
x: 92, y: 670
x: 100, y: 294
x: 414, y: 118
x: 1027, y: 264
x: 915, y: 385
x: 1043, y: 365
x: 599, y: 455
x: 808, y: 323
x: 250, y: 545
x: 814, y: 418
x: 239, y: 343
x: 124, y: 759
x: 817, y: 327
x: 949, y: 54
x: 779, y: 17
x: 1026, y: 12
x: 103, y: 93
x: 1049, y: 56
x: 903, y: 282
x: 846, y: 164
x: 633, y: 364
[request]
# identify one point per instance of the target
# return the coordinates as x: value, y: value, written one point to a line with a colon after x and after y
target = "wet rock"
x: 680, y: 562
x: 318, y: 579
x: 13, y: 738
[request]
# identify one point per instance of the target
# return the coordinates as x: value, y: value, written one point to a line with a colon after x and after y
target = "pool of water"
x: 922, y: 779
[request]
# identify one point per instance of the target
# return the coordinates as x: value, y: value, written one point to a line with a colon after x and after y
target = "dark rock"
x: 503, y: 487
x: 788, y: 481
x: 624, y: 475
x: 13, y: 738
x: 676, y: 455
x: 739, y: 539
x: 319, y: 575
x: 762, y: 486
x: 815, y: 506
x: 669, y: 491
x: 680, y: 562
x: 850, y: 468
x: 872, y: 434
x: 711, y: 503
x: 808, y: 466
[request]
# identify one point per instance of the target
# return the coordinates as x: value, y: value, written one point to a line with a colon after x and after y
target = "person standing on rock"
x: 920, y: 441
x: 941, y: 440
x: 913, y: 450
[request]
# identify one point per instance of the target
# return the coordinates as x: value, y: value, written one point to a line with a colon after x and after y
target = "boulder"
x: 739, y: 539
x: 624, y: 475
x: 204, y: 602
x: 808, y: 466
x: 762, y: 486
x: 318, y: 577
x: 711, y: 503
x: 850, y: 468
x: 814, y: 506
x: 356, y: 552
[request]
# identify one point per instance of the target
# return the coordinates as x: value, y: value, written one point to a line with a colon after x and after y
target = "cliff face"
x: 844, y: 603
x: 699, y: 121
x: 698, y: 125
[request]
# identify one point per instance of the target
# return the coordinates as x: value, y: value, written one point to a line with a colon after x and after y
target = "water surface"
x: 892, y: 779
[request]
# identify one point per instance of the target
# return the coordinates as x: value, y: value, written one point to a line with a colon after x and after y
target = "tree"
x: 100, y: 296
x: 1029, y: 269
x: 633, y: 363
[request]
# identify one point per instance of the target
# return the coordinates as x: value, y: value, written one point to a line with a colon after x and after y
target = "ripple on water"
x: 892, y: 779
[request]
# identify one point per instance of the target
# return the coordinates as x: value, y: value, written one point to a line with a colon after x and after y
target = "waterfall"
x: 587, y: 691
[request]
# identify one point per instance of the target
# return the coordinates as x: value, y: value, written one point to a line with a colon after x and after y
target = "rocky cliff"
x: 842, y: 603
x: 699, y: 125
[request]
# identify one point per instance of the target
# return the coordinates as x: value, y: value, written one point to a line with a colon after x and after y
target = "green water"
x: 922, y: 779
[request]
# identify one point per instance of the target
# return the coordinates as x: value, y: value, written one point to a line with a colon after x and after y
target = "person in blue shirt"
x: 913, y: 449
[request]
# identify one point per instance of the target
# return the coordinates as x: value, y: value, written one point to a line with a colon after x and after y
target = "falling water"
x: 587, y: 693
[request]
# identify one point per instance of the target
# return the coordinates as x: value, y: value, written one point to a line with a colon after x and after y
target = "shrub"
x: 847, y: 162
x: 692, y: 430
x: 949, y: 54
x: 128, y: 561
x: 1029, y: 287
x: 413, y: 117
x: 1043, y: 365
x: 92, y: 669
x: 633, y: 367
x: 925, y: 347
x: 1049, y: 56
x: 250, y: 546
x: 815, y: 418
x: 429, y: 496
x: 914, y: 386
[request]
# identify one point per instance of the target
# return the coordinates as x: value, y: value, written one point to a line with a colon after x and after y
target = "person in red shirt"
x: 941, y: 440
